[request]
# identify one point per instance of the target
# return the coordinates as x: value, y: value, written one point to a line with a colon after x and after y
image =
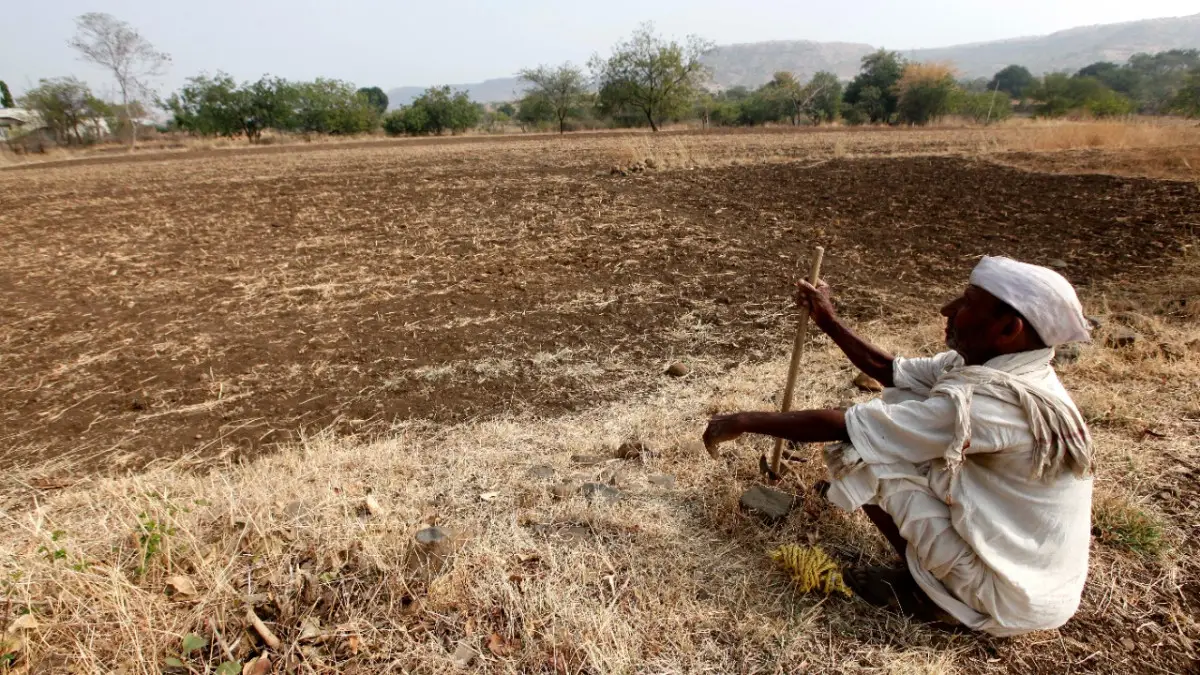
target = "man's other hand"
x: 721, y: 429
x: 818, y: 300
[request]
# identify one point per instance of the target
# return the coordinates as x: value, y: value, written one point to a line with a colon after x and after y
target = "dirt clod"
x: 633, y: 450
x: 678, y: 370
x: 1121, y: 338
x: 601, y: 492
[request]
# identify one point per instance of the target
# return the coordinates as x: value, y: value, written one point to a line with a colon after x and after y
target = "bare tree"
x: 115, y: 45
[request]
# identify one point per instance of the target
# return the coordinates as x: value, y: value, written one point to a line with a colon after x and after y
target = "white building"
x: 17, y: 122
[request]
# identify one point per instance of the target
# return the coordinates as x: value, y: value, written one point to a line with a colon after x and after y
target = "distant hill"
x: 753, y: 64
x: 488, y: 91
x: 1070, y: 49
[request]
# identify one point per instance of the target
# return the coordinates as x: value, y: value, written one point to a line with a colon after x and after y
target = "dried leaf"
x: 229, y: 668
x: 11, y: 644
x: 373, y: 506
x: 193, y: 643
x: 24, y: 622
x: 180, y: 586
x: 354, y: 643
x: 310, y: 628
x: 257, y: 666
x: 489, y: 496
x: 498, y: 645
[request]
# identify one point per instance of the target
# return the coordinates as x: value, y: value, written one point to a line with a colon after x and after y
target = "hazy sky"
x: 400, y: 42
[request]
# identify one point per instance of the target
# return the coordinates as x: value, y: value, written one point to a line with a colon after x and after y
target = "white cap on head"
x: 1044, y: 297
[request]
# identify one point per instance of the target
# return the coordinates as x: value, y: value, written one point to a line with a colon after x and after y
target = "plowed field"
x: 219, y: 304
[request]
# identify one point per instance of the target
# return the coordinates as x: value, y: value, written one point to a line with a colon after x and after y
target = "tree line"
x: 647, y: 81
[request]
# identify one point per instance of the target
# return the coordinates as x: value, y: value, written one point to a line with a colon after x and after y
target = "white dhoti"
x: 999, y: 549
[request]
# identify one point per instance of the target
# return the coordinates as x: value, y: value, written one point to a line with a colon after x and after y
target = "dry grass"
x: 672, y: 579
x: 1129, y: 134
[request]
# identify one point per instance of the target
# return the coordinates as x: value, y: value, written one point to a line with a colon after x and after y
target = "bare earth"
x: 200, y: 310
x: 223, y: 304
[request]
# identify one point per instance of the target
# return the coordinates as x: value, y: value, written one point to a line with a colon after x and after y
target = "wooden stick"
x: 265, y: 633
x: 797, y: 353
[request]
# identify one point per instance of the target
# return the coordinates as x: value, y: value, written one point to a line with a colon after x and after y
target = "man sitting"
x: 975, y: 464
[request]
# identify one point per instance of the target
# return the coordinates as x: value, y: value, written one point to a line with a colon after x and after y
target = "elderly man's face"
x: 977, y: 327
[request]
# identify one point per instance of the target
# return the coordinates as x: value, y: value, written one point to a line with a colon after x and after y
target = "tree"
x: 534, y: 111
x: 925, y: 92
x: 822, y: 98
x: 787, y: 90
x: 873, y: 90
x: 769, y: 103
x: 63, y: 104
x: 435, y: 111
x: 270, y: 103
x: 650, y: 75
x: 562, y: 88
x: 1160, y: 77
x: 376, y: 97
x: 116, y: 46
x: 1122, y: 79
x: 210, y: 106
x: 1060, y: 94
x: 326, y: 106
x: 217, y: 106
x: 6, y: 99
x: 1014, y: 80
x: 984, y: 107
x: 1187, y: 99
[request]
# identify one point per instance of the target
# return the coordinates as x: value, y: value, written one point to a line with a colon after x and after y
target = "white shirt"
x: 1030, y: 535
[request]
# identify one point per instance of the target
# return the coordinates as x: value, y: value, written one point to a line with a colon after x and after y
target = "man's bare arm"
x: 865, y: 356
x: 801, y: 426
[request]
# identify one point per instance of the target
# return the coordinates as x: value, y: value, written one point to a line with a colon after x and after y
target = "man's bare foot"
x: 895, y: 589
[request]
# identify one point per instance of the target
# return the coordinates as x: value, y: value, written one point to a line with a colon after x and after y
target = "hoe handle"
x: 797, y: 353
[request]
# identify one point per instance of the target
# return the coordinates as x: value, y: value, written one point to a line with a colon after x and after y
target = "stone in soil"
x: 615, y: 476
x: 463, y: 655
x: 633, y: 450
x: 540, y: 471
x: 601, y: 492
x: 678, y: 370
x: 1171, y: 351
x: 664, y: 480
x: 588, y: 460
x: 867, y: 383
x: 575, y: 534
x: 1121, y: 338
x: 769, y: 503
x: 1065, y: 354
x: 563, y: 490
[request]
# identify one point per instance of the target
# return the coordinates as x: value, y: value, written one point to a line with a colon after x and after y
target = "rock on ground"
x: 767, y: 502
